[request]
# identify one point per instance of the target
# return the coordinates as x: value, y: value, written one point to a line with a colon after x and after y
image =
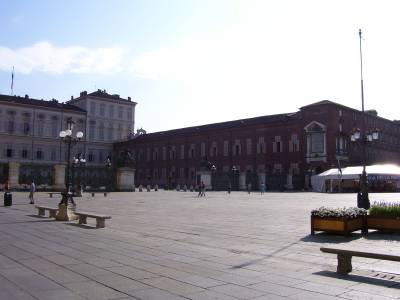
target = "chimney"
x: 72, y: 97
x: 83, y: 94
x: 26, y: 96
x: 129, y: 98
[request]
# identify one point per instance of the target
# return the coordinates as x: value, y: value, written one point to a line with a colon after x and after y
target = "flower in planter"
x: 341, y: 212
x: 385, y: 209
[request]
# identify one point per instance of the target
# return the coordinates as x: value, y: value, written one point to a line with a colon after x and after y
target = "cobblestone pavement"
x: 173, y: 245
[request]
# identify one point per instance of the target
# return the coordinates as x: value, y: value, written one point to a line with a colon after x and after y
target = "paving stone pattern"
x: 172, y: 245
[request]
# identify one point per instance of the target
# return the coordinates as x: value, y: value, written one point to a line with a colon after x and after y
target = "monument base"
x: 66, y: 213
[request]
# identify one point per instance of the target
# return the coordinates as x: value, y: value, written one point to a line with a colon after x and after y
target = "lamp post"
x: 213, y: 169
x: 360, y: 135
x: 363, y: 138
x: 78, y: 162
x: 66, y: 213
x: 108, y: 166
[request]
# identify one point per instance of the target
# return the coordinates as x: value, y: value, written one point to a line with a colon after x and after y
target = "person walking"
x: 32, y: 191
x: 203, y: 189
x: 262, y: 188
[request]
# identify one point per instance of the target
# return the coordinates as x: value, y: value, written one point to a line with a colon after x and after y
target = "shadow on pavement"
x: 362, y: 279
x: 81, y: 226
x: 324, y: 237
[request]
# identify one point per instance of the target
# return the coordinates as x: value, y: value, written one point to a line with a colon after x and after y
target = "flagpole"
x: 12, y: 82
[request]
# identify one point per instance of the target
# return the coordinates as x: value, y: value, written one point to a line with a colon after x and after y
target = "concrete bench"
x: 100, y: 219
x: 42, y: 211
x: 53, y: 193
x: 344, y: 258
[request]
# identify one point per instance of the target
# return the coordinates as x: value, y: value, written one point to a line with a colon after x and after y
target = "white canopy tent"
x: 376, y: 172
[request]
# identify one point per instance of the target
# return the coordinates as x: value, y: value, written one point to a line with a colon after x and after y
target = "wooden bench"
x: 42, y: 211
x: 53, y: 193
x: 100, y: 219
x: 344, y: 257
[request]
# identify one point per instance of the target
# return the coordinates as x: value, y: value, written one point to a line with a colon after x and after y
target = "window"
x: 39, y: 154
x: 191, y: 151
x: 11, y: 126
x: 248, y: 146
x: 294, y: 143
x: 182, y: 152
x: 110, y: 134
x: 203, y: 149
x: 236, y: 148
x: 164, y: 153
x: 92, y: 125
x: 91, y: 155
x: 92, y: 108
x: 120, y: 111
x: 27, y: 128
x: 213, y: 149
x: 102, y: 109
x: 260, y: 145
x: 9, y: 152
x: 53, y: 155
x: 111, y: 111
x: 24, y: 153
x: 226, y: 148
x: 101, y: 131
x: 276, y: 145
x: 40, y: 125
x: 129, y: 114
x: 315, y: 141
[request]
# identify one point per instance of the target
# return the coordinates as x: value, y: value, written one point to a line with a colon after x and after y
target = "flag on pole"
x: 12, y: 82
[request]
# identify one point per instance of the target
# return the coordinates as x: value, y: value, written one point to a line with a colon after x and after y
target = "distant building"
x: 29, y: 131
x: 282, y: 150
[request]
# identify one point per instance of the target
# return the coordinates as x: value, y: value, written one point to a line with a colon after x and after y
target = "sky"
x: 194, y: 62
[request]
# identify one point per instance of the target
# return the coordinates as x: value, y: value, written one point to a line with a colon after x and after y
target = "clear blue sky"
x: 195, y: 62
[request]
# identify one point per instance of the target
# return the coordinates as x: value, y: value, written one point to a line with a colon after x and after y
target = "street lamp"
x: 363, y: 138
x: 108, y: 166
x: 213, y: 169
x: 65, y: 213
x: 77, y: 162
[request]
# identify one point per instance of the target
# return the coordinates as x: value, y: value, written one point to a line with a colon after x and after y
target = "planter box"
x: 338, y: 225
x: 391, y: 224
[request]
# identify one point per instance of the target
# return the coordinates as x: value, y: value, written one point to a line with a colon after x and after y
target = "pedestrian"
x: 248, y: 187
x: 229, y: 188
x: 203, y: 189
x: 32, y: 191
x: 200, y: 192
x: 262, y: 188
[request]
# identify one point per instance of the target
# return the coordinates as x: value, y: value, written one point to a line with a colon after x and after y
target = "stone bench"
x: 42, y: 211
x: 344, y: 258
x: 100, y: 219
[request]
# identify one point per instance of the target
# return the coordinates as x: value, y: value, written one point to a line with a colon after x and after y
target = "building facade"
x: 282, y: 151
x: 29, y: 134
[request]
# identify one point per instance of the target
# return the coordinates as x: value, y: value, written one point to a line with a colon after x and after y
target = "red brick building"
x: 281, y: 150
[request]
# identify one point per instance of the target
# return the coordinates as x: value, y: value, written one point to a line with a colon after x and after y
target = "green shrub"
x: 384, y: 209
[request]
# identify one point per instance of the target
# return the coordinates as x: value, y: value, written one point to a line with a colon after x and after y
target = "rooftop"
x: 52, y: 104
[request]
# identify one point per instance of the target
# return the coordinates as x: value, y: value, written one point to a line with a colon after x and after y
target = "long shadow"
x: 331, y: 238
x: 382, y: 235
x: 361, y: 279
x: 81, y: 226
x: 32, y: 221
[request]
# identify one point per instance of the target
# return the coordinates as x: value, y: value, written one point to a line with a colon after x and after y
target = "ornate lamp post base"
x: 66, y: 213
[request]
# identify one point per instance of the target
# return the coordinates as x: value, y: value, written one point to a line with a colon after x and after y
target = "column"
x: 13, y: 174
x: 59, y: 177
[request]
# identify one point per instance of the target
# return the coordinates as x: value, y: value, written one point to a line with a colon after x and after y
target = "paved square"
x: 173, y: 245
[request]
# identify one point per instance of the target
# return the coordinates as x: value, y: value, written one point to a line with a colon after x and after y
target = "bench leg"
x: 52, y: 213
x: 82, y: 220
x: 344, y: 264
x: 41, y: 212
x: 100, y: 223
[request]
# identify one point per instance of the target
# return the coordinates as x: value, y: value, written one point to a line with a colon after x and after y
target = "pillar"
x: 59, y: 177
x: 13, y: 174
